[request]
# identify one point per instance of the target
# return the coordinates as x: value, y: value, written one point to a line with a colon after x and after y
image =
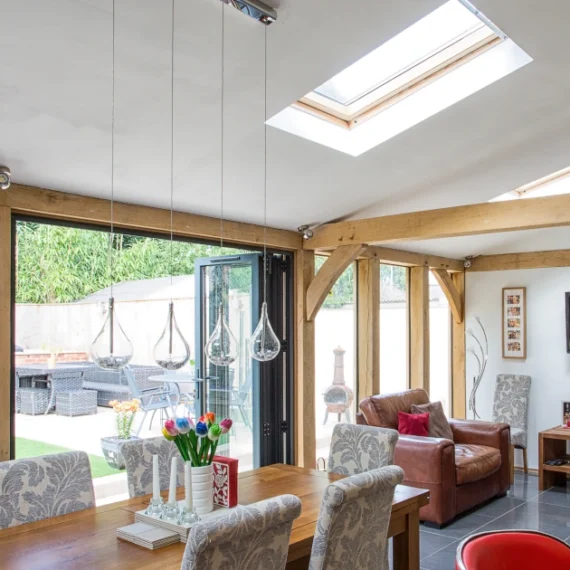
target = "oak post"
x: 304, y: 387
x: 458, y: 380
x: 419, y: 328
x: 368, y: 306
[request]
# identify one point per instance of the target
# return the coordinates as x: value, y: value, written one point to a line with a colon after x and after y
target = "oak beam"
x: 419, y: 328
x: 33, y: 201
x: 527, y: 260
x: 455, y: 300
x: 412, y: 259
x: 474, y: 219
x: 458, y: 379
x: 304, y: 382
x: 327, y: 276
x: 368, y: 306
x: 5, y: 331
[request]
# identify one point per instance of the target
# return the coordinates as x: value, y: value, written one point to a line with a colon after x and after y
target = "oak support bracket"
x: 455, y: 299
x: 327, y: 276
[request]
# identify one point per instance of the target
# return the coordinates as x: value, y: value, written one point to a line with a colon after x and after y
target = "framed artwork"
x: 565, y: 413
x: 514, y: 322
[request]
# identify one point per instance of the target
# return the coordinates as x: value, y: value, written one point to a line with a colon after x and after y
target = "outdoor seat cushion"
x: 104, y: 386
x: 475, y: 462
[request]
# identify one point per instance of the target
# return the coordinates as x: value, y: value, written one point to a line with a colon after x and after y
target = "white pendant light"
x: 171, y: 352
x: 222, y: 347
x: 264, y: 344
x: 112, y: 349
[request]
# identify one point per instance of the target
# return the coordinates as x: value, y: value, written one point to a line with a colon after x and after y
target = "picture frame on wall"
x: 514, y: 322
x: 567, y: 295
x: 565, y: 413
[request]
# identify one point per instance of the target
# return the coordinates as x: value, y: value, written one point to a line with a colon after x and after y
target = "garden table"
x: 87, y: 539
x: 42, y: 371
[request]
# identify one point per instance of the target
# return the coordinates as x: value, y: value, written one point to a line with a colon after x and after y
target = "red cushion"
x: 413, y: 424
x: 515, y: 551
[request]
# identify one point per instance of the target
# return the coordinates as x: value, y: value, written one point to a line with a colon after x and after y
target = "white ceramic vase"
x: 203, y: 489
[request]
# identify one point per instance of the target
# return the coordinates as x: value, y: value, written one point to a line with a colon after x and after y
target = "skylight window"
x: 551, y: 185
x: 451, y: 53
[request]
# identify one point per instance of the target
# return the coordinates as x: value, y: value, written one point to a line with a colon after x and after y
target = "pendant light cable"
x: 222, y: 130
x: 265, y: 180
x: 172, y: 155
x: 112, y: 236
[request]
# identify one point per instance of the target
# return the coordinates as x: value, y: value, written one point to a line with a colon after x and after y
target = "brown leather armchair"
x: 459, y: 474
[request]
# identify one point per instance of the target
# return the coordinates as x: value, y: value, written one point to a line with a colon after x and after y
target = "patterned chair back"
x: 510, y: 405
x: 358, y: 448
x: 353, y: 523
x: 138, y: 462
x: 43, y: 487
x: 253, y: 537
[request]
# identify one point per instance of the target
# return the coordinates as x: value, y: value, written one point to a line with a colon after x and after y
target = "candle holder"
x: 171, y: 512
x: 188, y: 516
x: 155, y: 507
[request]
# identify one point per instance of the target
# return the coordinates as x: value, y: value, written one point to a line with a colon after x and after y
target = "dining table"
x: 87, y: 539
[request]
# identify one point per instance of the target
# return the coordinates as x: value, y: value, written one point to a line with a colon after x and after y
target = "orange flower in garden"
x: 125, y: 416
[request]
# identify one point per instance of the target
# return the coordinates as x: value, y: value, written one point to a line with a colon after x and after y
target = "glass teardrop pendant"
x: 111, y: 349
x: 222, y: 348
x: 171, y: 352
x: 264, y: 344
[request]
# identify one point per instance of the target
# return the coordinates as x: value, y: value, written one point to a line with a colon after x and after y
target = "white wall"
x: 547, y: 362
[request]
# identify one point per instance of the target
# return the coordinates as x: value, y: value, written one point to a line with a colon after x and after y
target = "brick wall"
x: 40, y: 357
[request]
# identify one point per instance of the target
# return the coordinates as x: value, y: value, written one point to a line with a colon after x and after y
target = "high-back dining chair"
x: 253, y: 537
x: 138, y: 462
x: 353, y: 522
x: 510, y: 406
x: 43, y: 487
x: 359, y: 448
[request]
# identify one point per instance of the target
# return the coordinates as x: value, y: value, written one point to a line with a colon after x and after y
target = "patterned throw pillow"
x: 438, y: 424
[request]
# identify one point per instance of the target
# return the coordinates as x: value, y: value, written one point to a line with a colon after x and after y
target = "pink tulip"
x: 226, y: 425
x: 170, y: 427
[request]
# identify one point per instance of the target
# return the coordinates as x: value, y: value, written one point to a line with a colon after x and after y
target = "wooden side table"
x: 552, y: 445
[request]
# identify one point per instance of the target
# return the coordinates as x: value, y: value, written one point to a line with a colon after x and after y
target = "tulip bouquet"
x: 198, y: 442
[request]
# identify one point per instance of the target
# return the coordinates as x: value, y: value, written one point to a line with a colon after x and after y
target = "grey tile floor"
x: 524, y: 507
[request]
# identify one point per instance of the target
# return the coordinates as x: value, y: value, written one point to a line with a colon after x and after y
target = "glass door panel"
x: 229, y: 391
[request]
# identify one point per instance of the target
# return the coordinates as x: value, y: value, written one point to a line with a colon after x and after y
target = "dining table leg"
x: 407, y: 544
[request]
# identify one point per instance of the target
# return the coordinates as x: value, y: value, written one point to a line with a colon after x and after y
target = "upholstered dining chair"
x: 138, y: 462
x: 43, y: 487
x: 353, y: 523
x: 359, y: 448
x: 253, y: 537
x: 510, y: 406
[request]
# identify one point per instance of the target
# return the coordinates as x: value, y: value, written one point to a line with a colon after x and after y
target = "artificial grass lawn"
x: 31, y: 448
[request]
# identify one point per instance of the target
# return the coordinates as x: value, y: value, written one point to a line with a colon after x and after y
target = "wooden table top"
x: 558, y: 432
x: 87, y: 539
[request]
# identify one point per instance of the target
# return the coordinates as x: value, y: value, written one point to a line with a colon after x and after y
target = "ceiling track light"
x: 5, y: 178
x: 255, y: 9
x: 305, y: 231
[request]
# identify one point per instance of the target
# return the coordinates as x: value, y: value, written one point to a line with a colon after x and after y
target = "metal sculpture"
x: 481, y: 353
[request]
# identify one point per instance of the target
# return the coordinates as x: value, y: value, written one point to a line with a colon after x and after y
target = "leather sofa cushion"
x: 475, y: 462
x: 382, y: 411
x: 438, y: 424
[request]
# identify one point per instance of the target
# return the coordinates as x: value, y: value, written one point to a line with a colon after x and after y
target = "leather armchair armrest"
x: 426, y: 459
x: 479, y: 433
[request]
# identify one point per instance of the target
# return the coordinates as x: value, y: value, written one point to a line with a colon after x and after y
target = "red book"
x: 225, y: 481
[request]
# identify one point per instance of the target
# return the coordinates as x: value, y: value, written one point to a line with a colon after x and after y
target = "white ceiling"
x: 55, y: 92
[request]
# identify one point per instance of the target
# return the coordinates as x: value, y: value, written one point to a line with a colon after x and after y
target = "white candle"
x: 172, y: 490
x: 188, y: 484
x: 155, y: 478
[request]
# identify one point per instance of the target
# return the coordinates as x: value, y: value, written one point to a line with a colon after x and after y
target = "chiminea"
x: 338, y: 397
